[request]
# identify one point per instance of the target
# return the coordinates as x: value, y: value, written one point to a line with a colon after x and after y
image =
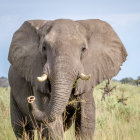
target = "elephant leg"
x: 85, y: 121
x: 53, y: 130
x: 29, y: 132
x: 16, y: 118
x: 69, y: 117
x: 43, y: 132
x: 19, y: 122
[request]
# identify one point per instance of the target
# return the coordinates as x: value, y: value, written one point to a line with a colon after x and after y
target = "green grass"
x: 6, y: 132
x: 114, y: 121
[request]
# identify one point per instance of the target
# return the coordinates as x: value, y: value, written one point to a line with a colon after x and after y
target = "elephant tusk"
x: 84, y: 77
x: 31, y: 99
x: 42, y: 78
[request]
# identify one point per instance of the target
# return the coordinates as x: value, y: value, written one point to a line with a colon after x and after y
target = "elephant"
x: 55, y: 65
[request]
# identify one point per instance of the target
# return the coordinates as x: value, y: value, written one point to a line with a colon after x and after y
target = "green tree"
x: 128, y: 81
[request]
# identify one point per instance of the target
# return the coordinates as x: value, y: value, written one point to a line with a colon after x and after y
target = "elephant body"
x: 73, y: 56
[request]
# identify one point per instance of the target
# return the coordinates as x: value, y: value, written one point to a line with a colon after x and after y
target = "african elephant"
x: 72, y: 57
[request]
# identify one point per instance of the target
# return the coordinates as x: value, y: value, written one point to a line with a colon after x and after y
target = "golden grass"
x: 114, y: 121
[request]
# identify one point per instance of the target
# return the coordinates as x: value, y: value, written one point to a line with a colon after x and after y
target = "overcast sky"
x: 123, y: 15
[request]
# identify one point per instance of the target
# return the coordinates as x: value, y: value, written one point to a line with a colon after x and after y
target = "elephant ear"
x: 24, y: 53
x: 106, y: 52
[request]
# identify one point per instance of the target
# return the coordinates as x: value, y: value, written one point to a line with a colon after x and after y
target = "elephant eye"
x: 44, y: 47
x: 83, y: 49
x: 83, y: 52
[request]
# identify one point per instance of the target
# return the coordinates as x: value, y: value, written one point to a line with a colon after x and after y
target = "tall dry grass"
x: 114, y: 121
x: 6, y: 132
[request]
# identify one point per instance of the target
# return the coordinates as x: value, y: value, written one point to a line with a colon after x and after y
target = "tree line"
x: 129, y: 80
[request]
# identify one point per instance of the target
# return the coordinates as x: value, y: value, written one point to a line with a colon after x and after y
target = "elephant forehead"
x: 55, y: 36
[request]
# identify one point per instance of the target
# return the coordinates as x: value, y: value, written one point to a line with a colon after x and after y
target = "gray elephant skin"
x: 69, y: 58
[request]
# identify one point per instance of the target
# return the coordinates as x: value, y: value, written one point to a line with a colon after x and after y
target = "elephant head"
x: 64, y: 50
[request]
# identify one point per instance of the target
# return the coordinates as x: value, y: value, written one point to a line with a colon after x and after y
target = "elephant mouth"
x: 49, y: 86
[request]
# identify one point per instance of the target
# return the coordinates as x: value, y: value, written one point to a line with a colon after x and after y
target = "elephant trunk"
x: 62, y: 78
x: 61, y: 91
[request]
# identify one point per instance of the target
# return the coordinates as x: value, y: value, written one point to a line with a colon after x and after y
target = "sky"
x: 122, y: 15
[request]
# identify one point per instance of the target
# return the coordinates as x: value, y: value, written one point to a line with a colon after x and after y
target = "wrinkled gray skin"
x: 62, y: 49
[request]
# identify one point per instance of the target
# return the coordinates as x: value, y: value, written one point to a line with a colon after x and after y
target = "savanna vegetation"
x: 4, y: 82
x: 117, y: 116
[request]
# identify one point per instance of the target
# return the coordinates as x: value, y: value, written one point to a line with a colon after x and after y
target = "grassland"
x: 114, y: 121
